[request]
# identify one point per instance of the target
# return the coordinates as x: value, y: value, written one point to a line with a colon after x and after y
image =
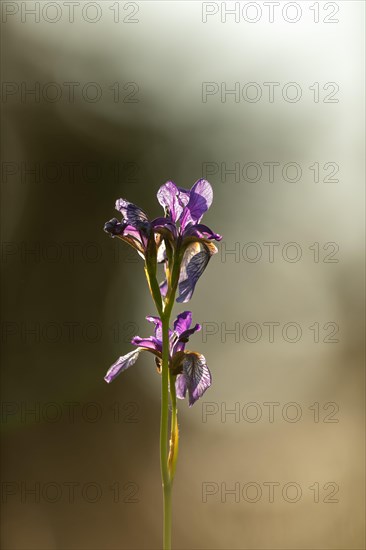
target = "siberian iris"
x: 179, y: 236
x: 183, y: 245
x: 188, y: 367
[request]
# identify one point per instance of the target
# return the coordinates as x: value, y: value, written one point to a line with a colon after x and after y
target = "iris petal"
x: 200, y: 200
x: 131, y: 213
x: 114, y: 227
x: 202, y: 232
x: 171, y: 199
x: 183, y: 322
x: 181, y: 386
x: 122, y: 364
x: 195, y: 260
x: 149, y: 343
x: 197, y: 377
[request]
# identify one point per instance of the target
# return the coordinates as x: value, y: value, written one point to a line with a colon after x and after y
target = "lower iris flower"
x: 192, y: 374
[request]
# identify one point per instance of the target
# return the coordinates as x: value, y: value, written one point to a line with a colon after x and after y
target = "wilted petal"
x: 132, y: 213
x: 200, y: 200
x: 114, y: 227
x: 195, y: 260
x: 197, y: 376
x: 122, y: 364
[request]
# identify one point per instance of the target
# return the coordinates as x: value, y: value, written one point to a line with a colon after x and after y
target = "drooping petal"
x: 195, y: 260
x: 114, y: 227
x: 200, y: 200
x: 122, y: 364
x: 201, y: 231
x: 126, y: 233
x: 197, y: 377
x: 171, y: 200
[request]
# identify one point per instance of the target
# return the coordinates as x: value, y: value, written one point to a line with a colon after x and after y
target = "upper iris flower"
x: 192, y: 373
x: 178, y: 240
x: 190, y: 240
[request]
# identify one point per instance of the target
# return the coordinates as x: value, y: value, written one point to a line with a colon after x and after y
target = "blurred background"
x: 103, y: 100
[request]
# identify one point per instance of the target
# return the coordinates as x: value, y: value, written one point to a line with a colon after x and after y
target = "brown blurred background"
x: 80, y: 459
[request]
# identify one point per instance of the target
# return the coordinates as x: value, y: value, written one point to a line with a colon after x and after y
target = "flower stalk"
x: 164, y: 428
x: 184, y: 246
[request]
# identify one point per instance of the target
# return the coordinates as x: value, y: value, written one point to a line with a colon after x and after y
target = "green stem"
x: 174, y: 432
x: 168, y: 461
x: 164, y: 425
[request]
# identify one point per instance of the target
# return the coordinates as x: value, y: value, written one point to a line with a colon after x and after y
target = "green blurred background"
x: 73, y: 298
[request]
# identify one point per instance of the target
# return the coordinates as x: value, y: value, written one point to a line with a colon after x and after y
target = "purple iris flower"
x: 178, y: 237
x: 184, y: 208
x: 192, y: 373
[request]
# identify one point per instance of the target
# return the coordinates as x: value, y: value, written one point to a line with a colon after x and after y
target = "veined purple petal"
x: 131, y: 231
x: 197, y: 377
x: 201, y: 231
x: 184, y: 195
x: 122, y: 364
x: 200, y: 200
x: 131, y: 213
x: 195, y: 260
x: 168, y: 198
x: 183, y: 322
x: 127, y: 233
x: 150, y: 343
